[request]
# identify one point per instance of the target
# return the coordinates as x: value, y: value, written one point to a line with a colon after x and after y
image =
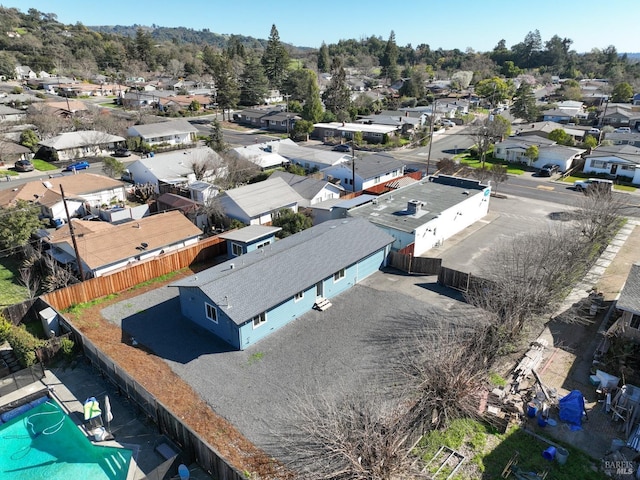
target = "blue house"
x: 247, y: 298
x: 249, y: 238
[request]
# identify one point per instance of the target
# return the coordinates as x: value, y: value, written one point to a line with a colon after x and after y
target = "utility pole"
x: 433, y: 116
x: 353, y: 165
x: 73, y: 236
x: 286, y: 96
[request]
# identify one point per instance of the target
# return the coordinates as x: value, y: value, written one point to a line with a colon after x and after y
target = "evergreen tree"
x: 389, y: 62
x: 227, y: 90
x: 524, y: 105
x: 324, y: 62
x: 253, y: 83
x: 275, y: 59
x: 312, y: 110
x: 216, y: 140
x: 337, y: 96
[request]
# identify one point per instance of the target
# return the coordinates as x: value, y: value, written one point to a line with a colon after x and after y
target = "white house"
x: 173, y: 167
x: 117, y: 246
x: 264, y: 155
x: 176, y: 132
x: 312, y: 190
x: 70, y: 145
x: 369, y: 171
x: 257, y: 203
x: 311, y: 159
x: 617, y: 160
x: 425, y: 214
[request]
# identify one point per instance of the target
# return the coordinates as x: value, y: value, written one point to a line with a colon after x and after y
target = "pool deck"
x: 130, y: 429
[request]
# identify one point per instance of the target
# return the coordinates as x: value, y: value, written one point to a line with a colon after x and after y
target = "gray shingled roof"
x: 165, y: 128
x: 630, y: 296
x: 307, y: 187
x: 271, y: 275
x: 265, y: 196
x: 375, y: 165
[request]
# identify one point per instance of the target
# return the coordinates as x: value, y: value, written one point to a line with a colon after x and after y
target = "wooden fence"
x: 411, y: 264
x: 134, y: 275
x: 462, y: 281
x: 193, y: 448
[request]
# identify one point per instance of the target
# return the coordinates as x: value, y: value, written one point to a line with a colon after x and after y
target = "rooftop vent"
x: 413, y: 206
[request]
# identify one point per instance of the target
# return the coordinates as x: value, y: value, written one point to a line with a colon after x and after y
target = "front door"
x: 319, y: 290
x: 614, y: 169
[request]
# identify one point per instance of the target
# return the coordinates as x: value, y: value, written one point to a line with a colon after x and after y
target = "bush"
x: 5, y: 329
x: 66, y: 346
x: 24, y: 345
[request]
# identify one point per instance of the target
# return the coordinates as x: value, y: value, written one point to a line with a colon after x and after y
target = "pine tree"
x: 389, y: 61
x: 227, y: 90
x: 337, y: 96
x: 312, y: 110
x: 324, y: 62
x: 216, y: 140
x: 275, y: 59
x: 524, y: 105
x: 253, y: 83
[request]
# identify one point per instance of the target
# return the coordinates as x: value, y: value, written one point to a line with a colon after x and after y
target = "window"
x: 211, y: 312
x: 635, y: 321
x: 599, y: 164
x: 236, y: 249
x: 263, y: 244
x: 339, y: 275
x: 298, y: 296
x: 259, y: 319
x: 377, y: 179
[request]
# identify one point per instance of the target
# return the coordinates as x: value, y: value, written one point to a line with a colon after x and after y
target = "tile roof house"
x: 425, y: 214
x: 312, y: 190
x: 257, y: 203
x: 110, y: 247
x: 83, y: 191
x: 249, y: 297
x: 72, y: 145
x: 615, y: 160
x: 369, y: 171
x: 176, y: 132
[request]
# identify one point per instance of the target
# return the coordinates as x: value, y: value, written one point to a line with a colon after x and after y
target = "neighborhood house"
x: 247, y: 298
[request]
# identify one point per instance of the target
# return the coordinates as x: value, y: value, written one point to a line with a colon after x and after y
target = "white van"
x: 591, y: 183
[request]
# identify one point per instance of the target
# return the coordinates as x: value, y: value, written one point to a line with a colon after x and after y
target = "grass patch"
x: 162, y: 278
x: 43, y: 165
x: 624, y: 188
x: 489, y: 452
x: 255, y: 357
x: 11, y: 292
x: 11, y: 173
x: 473, y: 162
x: 80, y: 307
x: 497, y: 380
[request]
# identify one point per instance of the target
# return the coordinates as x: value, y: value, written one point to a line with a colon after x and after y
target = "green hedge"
x: 24, y: 345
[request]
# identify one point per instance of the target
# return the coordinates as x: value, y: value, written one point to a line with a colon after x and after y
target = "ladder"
x: 445, y: 457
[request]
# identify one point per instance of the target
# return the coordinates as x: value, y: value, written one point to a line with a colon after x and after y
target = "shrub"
x: 24, y: 345
x: 5, y: 329
x: 66, y: 346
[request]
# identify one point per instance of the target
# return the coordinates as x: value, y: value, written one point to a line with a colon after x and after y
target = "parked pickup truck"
x: 593, y: 183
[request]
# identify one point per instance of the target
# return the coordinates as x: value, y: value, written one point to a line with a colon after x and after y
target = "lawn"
x: 11, y: 292
x: 487, y: 452
x: 43, y: 165
x: 473, y: 162
x: 11, y: 173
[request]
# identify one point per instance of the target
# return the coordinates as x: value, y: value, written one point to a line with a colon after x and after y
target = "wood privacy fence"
x: 193, y: 448
x: 134, y: 275
x: 462, y: 281
x: 411, y: 264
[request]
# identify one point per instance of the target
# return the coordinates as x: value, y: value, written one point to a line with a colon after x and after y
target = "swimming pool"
x: 44, y: 443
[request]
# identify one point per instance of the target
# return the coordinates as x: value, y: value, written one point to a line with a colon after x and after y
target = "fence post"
x: 410, y: 258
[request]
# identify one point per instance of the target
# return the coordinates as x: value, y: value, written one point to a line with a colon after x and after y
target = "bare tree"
x: 446, y: 367
x: 486, y: 132
x: 527, y: 276
x: 57, y: 276
x: 48, y: 125
x: 205, y: 165
x: 30, y: 280
x: 143, y: 192
x: 236, y: 170
x: 599, y: 213
x: 355, y: 438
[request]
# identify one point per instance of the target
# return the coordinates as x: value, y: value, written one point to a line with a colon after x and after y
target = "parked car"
x: 79, y: 165
x: 591, y: 184
x: 448, y: 123
x: 594, y: 131
x: 548, y: 169
x: 23, y: 166
x: 343, y: 147
x: 623, y: 130
x: 121, y: 152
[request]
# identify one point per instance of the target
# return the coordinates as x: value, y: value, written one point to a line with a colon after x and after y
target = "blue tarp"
x: 572, y: 408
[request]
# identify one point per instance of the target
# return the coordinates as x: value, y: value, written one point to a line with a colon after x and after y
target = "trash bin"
x: 561, y: 455
x: 549, y: 453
